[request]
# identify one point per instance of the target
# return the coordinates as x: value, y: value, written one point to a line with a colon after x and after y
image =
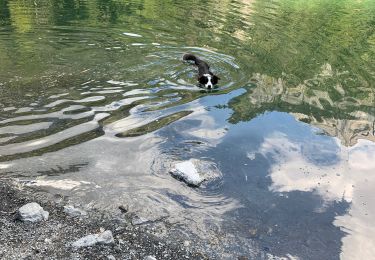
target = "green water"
x: 98, y: 88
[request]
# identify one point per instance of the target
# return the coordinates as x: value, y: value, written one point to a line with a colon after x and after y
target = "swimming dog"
x: 205, y: 76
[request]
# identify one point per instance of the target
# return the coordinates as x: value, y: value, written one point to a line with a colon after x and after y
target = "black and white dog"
x: 205, y: 76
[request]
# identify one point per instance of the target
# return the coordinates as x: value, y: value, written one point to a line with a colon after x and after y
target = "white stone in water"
x: 32, y: 212
x: 105, y: 237
x: 187, y: 171
x: 74, y: 212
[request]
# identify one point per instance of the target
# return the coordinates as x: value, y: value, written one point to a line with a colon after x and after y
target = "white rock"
x: 149, y: 257
x: 111, y: 257
x: 89, y: 240
x: 74, y: 212
x: 139, y: 220
x: 105, y: 238
x: 187, y: 171
x: 32, y: 212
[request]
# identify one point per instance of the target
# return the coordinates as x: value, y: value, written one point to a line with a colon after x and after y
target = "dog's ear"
x: 203, y: 80
x: 215, y: 79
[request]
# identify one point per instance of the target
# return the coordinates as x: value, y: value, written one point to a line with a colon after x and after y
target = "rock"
x: 149, y: 257
x: 111, y: 257
x: 123, y: 209
x: 139, y: 220
x: 74, y: 212
x: 32, y: 212
x: 194, y: 172
x: 88, y: 240
x: 187, y: 172
x: 105, y: 237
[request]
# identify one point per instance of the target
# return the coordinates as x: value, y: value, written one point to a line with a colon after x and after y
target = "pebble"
x: 149, y: 257
x: 74, y: 212
x: 139, y: 220
x: 86, y: 241
x: 105, y: 237
x: 32, y: 212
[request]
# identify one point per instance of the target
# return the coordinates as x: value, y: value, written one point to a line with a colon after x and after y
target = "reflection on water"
x: 96, y: 104
x: 348, y: 178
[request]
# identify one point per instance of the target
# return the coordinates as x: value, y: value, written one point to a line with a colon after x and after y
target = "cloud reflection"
x: 348, y: 178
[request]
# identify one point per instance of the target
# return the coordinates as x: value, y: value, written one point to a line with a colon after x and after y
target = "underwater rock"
x: 194, y: 172
x: 187, y: 172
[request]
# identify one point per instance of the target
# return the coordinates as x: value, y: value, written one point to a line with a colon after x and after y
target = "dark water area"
x: 97, y: 105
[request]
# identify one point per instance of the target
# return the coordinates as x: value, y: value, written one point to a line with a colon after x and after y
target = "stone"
x: 111, y: 257
x: 187, y: 172
x: 194, y: 171
x: 32, y: 212
x: 149, y: 257
x: 74, y: 212
x: 105, y: 237
x: 86, y: 241
x: 139, y: 220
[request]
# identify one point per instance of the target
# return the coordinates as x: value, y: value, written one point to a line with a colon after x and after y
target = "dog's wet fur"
x: 205, y: 76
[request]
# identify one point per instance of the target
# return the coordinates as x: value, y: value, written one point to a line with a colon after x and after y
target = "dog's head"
x: 208, y: 80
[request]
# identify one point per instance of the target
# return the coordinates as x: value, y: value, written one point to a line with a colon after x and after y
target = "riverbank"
x: 53, y: 238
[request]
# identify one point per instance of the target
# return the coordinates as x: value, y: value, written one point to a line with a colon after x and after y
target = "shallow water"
x: 97, y: 105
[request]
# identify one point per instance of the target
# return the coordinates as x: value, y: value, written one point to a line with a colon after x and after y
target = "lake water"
x: 97, y: 105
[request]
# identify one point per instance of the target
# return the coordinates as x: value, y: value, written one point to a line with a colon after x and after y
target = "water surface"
x: 97, y: 105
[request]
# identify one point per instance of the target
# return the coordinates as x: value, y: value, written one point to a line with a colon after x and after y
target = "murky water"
x: 97, y: 105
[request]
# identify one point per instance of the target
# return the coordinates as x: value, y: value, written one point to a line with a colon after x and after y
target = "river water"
x: 97, y: 106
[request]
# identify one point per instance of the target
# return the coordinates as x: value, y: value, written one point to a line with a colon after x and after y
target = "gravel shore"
x: 53, y: 238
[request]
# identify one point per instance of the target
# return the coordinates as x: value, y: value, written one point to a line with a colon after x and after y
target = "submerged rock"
x: 194, y: 172
x: 32, y: 212
x: 74, y: 212
x: 187, y: 172
x: 105, y: 237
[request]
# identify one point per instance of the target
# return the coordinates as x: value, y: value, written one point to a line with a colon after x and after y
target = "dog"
x: 205, y: 76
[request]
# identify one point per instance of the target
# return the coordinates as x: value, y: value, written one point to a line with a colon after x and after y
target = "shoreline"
x: 52, y: 238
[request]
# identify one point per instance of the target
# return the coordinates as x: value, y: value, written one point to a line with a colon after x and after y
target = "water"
x: 96, y: 105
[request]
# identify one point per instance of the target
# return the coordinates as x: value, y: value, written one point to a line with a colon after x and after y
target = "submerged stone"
x: 187, y: 171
